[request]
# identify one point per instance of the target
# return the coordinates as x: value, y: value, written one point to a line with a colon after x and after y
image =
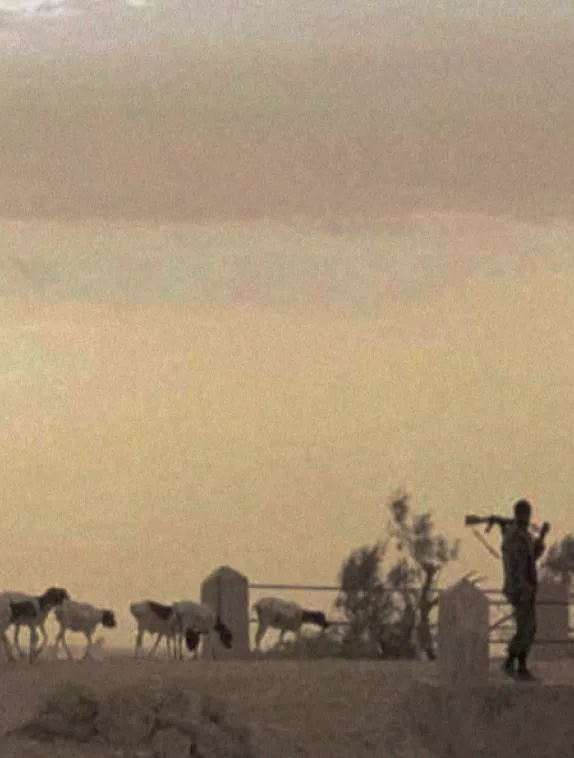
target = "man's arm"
x: 539, y: 543
x: 539, y: 548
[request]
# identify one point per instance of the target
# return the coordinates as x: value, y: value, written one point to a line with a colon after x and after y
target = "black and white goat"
x: 80, y: 617
x: 10, y: 613
x: 196, y: 619
x: 274, y: 613
x: 35, y: 616
x: 155, y: 618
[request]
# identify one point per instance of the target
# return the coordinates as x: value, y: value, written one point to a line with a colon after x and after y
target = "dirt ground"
x: 335, y: 709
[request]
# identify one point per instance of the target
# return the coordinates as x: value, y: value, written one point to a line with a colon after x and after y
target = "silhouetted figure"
x: 519, y: 554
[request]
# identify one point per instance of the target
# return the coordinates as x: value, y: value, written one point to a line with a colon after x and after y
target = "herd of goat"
x: 182, y: 620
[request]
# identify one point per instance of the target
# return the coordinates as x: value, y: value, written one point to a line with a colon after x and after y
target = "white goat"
x: 274, y: 613
x: 196, y: 619
x: 80, y: 617
x: 42, y: 604
x: 154, y: 618
x: 10, y: 613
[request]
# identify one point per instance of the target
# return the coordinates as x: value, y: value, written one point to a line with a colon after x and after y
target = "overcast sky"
x: 261, y: 422
x: 179, y: 397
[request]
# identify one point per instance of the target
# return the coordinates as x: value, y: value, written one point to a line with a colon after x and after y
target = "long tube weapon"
x: 491, y: 521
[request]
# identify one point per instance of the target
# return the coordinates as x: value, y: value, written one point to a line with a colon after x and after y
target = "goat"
x: 191, y: 641
x: 272, y: 612
x: 154, y: 618
x: 10, y: 613
x: 42, y: 604
x: 195, y: 619
x: 80, y: 617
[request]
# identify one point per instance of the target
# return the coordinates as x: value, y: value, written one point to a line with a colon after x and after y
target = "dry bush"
x: 149, y: 721
x: 331, y: 644
x: 499, y: 722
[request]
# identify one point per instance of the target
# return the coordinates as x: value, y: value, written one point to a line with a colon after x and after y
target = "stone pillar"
x: 552, y: 621
x: 227, y: 592
x: 463, y: 646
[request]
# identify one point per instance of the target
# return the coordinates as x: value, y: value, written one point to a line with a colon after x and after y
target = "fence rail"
x: 338, y: 588
x: 304, y: 587
x: 489, y: 592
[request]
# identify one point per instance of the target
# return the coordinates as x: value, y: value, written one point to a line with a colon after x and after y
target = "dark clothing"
x: 520, y: 553
x: 525, y: 617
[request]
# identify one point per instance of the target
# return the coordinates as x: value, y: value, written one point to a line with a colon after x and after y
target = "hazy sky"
x: 253, y: 401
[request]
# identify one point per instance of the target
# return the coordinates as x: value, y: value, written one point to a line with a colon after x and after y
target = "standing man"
x: 519, y: 554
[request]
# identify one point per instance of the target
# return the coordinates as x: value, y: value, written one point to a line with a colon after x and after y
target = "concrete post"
x: 463, y: 645
x: 227, y: 592
x: 552, y: 621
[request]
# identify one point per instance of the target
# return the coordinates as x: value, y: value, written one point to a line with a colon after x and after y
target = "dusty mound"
x: 151, y: 721
x: 504, y: 721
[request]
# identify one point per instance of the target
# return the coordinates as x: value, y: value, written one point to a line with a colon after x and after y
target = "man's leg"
x: 509, y: 665
x: 519, y: 647
x: 529, y: 636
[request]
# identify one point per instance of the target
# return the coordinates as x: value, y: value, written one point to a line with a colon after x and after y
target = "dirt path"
x: 335, y: 709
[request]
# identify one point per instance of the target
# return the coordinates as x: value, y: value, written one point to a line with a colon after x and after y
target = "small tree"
x: 363, y: 599
x: 414, y: 535
x: 423, y: 553
x: 382, y: 613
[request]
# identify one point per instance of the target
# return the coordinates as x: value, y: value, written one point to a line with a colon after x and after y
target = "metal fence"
x: 500, y: 624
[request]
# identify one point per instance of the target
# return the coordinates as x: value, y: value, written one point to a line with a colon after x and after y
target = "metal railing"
x: 499, y: 624
x: 306, y: 587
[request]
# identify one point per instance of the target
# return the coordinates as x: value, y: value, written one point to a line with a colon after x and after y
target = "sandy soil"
x: 333, y: 709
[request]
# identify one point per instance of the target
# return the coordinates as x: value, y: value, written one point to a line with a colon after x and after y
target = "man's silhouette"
x: 519, y: 554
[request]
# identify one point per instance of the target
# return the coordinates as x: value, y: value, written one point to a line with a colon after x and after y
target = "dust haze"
x: 259, y: 269
x: 161, y: 114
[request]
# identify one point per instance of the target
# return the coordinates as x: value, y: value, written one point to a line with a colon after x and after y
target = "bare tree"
x: 384, y: 613
x: 426, y: 603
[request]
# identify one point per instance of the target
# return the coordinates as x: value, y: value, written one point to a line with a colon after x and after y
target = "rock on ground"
x: 148, y: 721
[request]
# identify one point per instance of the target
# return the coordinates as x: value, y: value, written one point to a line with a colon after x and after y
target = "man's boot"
x: 523, y: 674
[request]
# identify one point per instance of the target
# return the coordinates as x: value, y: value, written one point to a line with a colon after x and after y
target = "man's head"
x: 522, y: 513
